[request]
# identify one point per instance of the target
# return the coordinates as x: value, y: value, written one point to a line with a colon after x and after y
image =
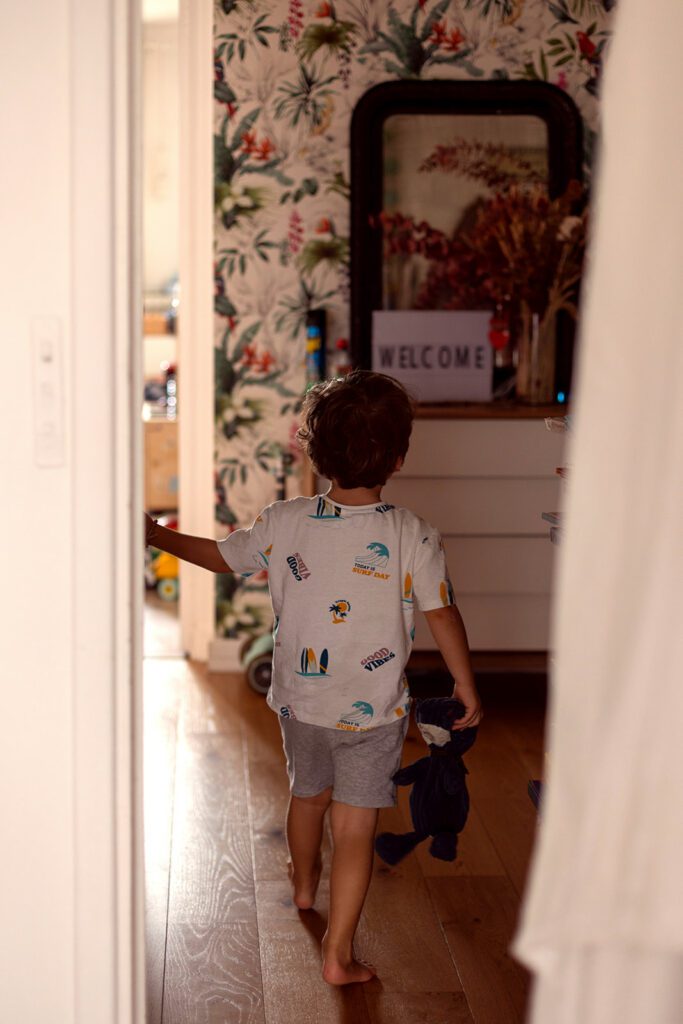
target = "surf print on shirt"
x: 379, y: 658
x: 326, y: 510
x: 310, y: 668
x: 298, y: 567
x: 337, y: 617
x: 358, y: 718
x: 374, y: 558
x: 340, y: 610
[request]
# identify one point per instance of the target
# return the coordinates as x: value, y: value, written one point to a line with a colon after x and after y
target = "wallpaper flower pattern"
x: 287, y: 76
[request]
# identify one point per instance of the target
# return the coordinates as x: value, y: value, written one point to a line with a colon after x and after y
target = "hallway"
x: 224, y: 942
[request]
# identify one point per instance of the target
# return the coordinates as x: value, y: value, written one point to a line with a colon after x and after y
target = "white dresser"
x: 484, y: 483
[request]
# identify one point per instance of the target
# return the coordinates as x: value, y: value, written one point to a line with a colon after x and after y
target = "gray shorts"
x: 357, y: 765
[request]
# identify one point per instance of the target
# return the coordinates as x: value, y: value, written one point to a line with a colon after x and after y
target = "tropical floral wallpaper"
x: 287, y: 76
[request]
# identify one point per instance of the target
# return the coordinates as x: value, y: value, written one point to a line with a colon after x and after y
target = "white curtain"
x: 602, y: 923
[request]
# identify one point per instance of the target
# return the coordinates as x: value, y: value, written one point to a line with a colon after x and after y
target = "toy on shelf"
x: 341, y: 358
x: 555, y: 525
x: 439, y: 801
x: 558, y: 424
x: 162, y: 569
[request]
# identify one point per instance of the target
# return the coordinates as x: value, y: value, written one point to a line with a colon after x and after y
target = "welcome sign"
x: 440, y: 355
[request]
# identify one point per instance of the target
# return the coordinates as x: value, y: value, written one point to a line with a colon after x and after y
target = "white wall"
x: 66, y: 880
x: 36, y: 781
x: 160, y: 152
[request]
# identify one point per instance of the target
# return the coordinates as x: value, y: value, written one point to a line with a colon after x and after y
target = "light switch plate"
x: 48, y: 396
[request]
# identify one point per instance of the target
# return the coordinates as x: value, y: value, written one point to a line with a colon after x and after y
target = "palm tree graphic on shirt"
x: 340, y: 610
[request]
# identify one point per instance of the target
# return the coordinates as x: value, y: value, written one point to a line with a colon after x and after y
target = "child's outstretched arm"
x: 448, y: 630
x: 200, y: 551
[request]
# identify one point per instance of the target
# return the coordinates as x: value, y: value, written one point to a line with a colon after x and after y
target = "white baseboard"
x: 224, y: 655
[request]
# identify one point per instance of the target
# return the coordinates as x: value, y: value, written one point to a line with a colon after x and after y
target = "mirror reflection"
x: 439, y: 172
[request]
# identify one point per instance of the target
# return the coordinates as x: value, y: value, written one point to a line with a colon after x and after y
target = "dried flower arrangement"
x: 521, y: 247
x: 517, y: 252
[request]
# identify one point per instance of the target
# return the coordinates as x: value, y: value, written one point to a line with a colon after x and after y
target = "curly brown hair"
x: 356, y: 428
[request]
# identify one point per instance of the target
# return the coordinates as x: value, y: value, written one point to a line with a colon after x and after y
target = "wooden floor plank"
x: 161, y: 696
x: 213, y: 971
x: 293, y: 989
x: 399, y: 932
x: 498, y: 787
x: 212, y: 876
x: 479, y: 918
x: 269, y: 794
x: 416, y: 1007
x: 209, y: 701
x: 213, y: 974
x: 236, y: 947
x: 161, y: 628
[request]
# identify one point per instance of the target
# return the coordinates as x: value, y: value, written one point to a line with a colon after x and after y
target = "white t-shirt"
x: 343, y: 581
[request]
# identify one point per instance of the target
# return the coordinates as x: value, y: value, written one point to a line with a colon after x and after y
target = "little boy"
x: 345, y: 571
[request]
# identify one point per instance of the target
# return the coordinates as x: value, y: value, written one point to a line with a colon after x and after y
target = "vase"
x: 536, y: 341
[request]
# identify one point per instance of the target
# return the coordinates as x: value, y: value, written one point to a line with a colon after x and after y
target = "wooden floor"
x: 224, y: 942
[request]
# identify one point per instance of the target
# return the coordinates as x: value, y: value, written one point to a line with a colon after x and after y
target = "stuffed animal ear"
x: 392, y: 848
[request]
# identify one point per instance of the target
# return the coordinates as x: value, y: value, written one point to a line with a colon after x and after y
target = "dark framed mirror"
x: 425, y: 157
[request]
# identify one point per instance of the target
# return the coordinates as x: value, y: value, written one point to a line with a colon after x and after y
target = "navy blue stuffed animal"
x: 439, y: 802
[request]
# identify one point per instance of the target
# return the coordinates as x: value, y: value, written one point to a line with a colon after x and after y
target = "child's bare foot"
x: 304, y: 890
x: 339, y: 970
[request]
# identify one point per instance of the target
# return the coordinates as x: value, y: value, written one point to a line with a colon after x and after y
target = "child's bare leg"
x: 353, y: 834
x: 305, y: 817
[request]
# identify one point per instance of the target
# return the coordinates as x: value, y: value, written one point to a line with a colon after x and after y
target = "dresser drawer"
x: 484, y: 484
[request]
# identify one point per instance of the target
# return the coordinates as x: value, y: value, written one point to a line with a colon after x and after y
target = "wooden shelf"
x: 487, y: 411
x: 155, y: 323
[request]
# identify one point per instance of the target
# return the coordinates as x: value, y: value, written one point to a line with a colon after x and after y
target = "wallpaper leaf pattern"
x: 287, y: 76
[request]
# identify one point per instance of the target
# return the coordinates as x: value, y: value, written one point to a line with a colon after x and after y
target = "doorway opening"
x: 161, y: 308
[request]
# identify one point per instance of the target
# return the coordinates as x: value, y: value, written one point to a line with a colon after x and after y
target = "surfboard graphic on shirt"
x: 446, y: 593
x: 326, y: 510
x: 264, y: 556
x: 309, y: 666
x: 408, y: 589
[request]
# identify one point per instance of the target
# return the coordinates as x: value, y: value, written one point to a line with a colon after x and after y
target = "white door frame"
x: 196, y: 323
x: 108, y: 979
x: 71, y: 927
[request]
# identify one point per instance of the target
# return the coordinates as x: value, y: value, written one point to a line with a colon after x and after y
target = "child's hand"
x: 473, y: 712
x: 149, y: 528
